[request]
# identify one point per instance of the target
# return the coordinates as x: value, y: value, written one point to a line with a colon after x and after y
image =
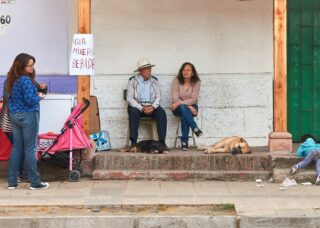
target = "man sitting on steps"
x: 144, y: 100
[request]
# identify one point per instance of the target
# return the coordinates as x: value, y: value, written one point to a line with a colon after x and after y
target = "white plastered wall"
x: 39, y: 28
x: 229, y: 41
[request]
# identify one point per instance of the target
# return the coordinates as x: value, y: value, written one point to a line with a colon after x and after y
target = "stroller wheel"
x: 78, y: 167
x: 74, y: 175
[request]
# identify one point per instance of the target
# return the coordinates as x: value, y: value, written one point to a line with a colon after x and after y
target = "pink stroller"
x: 60, y: 148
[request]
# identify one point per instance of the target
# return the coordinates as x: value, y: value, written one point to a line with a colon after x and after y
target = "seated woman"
x: 185, y: 91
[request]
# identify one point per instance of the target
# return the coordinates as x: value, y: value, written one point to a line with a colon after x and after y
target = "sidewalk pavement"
x: 248, y: 198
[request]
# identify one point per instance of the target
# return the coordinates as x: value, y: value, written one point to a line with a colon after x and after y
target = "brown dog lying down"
x: 233, y: 145
x: 147, y: 146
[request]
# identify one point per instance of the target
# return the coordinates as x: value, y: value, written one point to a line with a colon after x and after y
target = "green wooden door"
x: 303, y: 40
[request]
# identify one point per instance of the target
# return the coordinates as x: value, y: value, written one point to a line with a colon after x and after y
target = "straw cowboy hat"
x: 143, y: 63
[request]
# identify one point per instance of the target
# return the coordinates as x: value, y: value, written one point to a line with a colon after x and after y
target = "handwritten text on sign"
x: 82, y: 56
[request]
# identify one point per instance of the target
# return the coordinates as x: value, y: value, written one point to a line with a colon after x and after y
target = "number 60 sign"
x: 5, y: 19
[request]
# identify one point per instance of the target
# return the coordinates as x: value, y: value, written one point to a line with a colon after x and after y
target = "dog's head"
x: 241, y: 147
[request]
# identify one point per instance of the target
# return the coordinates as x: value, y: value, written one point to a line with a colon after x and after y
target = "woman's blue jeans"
x: 312, y: 156
x: 20, y: 170
x: 25, y: 137
x: 187, y: 120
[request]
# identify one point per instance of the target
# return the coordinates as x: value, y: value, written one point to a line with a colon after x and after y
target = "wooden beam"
x: 84, y: 27
x: 84, y: 16
x: 280, y: 66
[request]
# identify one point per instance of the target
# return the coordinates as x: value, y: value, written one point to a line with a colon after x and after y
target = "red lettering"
x: 84, y: 63
x: 81, y: 41
x: 75, y: 63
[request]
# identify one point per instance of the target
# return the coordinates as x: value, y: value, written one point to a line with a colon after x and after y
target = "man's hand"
x: 148, y: 110
x: 175, y: 105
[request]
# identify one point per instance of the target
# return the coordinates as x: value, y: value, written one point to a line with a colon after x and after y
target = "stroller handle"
x: 86, y: 102
x: 86, y: 105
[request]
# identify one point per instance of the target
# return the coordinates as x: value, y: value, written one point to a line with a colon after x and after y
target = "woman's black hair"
x: 306, y: 136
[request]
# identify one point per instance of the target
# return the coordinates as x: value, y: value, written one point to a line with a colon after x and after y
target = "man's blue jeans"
x: 312, y: 156
x: 25, y: 137
x: 187, y: 120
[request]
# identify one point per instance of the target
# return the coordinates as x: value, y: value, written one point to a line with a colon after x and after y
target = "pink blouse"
x: 187, y: 96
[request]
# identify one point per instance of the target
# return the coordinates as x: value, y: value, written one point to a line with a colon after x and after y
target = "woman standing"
x: 185, y: 91
x: 23, y: 106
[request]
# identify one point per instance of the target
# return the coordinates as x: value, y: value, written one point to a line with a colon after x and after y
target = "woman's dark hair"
x: 306, y: 136
x: 17, y: 69
x: 194, y: 77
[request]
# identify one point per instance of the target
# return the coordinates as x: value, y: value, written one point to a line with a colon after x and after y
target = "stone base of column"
x: 280, y: 142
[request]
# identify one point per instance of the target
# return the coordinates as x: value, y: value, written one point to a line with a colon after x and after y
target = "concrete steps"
x: 283, y: 163
x: 176, y: 165
x: 179, y: 175
x: 123, y: 221
x: 122, y: 216
x: 156, y: 220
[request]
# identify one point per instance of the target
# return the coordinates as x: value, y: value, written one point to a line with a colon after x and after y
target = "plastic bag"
x: 288, y: 183
x: 102, y: 140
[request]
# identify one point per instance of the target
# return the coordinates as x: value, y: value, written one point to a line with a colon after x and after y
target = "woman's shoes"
x: 294, y: 169
x: 12, y: 187
x: 197, y: 132
x: 42, y: 185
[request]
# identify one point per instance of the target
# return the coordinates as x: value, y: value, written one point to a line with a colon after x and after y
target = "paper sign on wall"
x: 82, y: 56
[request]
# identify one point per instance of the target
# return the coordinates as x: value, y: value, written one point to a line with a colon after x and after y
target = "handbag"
x: 5, y: 148
x: 5, y: 123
